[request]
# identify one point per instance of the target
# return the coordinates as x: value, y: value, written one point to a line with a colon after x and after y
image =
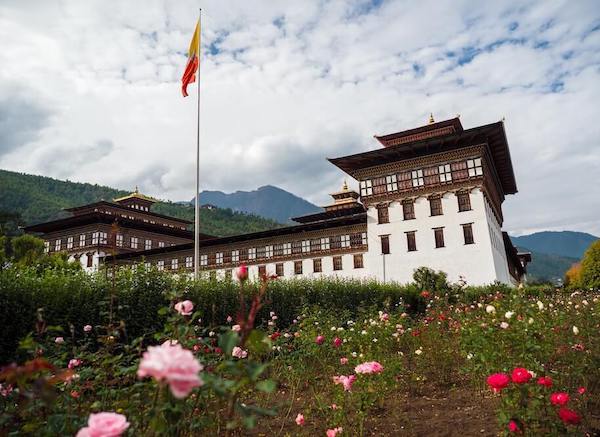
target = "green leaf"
x: 258, y: 343
x: 267, y: 386
x: 228, y: 341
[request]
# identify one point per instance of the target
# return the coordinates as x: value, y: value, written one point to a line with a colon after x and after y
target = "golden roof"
x: 136, y: 195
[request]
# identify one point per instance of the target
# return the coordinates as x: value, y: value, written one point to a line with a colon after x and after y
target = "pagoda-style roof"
x: 84, y: 208
x: 492, y: 134
x: 328, y: 215
x: 354, y: 219
x: 100, y: 217
x: 137, y: 196
x: 433, y: 129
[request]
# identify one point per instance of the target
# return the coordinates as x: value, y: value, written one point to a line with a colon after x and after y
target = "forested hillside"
x: 38, y: 199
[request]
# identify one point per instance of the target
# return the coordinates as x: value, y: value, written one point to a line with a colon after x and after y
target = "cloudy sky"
x: 90, y: 92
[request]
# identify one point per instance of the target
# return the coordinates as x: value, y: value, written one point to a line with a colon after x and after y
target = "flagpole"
x: 197, y: 205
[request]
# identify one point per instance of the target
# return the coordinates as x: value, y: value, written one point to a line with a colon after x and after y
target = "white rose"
x: 490, y: 309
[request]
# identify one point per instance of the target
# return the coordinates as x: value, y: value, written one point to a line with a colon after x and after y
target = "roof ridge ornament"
x: 431, y: 120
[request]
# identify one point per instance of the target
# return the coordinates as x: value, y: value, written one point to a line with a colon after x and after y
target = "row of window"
x: 317, y: 264
x: 102, y: 239
x: 438, y: 233
x: 435, y: 207
x: 285, y: 249
x: 414, y: 179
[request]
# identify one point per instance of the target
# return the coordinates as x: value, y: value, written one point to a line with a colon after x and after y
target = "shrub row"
x: 71, y: 300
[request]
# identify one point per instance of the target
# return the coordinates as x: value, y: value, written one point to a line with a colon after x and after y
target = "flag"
x: 189, y: 75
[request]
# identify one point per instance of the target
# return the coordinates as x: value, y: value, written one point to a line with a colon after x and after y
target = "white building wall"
x: 476, y: 262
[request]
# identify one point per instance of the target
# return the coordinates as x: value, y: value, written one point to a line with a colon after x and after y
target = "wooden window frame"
x: 317, y: 265
x: 464, y: 201
x: 385, y: 244
x: 468, y: 233
x: 358, y: 261
x: 408, y: 209
x: 383, y: 214
x: 262, y: 270
x: 438, y: 234
x: 435, y: 206
x: 297, y: 267
x: 338, y: 263
x: 411, y: 241
x: 279, y: 269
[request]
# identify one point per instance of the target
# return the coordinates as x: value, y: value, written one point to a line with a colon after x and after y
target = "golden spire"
x: 136, y: 189
x: 345, y: 186
x: 431, y: 120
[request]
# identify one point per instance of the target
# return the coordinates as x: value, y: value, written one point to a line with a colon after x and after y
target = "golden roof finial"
x: 136, y: 189
x: 345, y: 186
x: 431, y: 120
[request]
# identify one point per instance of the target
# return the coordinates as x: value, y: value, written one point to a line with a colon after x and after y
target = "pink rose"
x: 335, y: 431
x: 343, y: 360
x: 59, y: 340
x: 498, y: 381
x: 513, y: 427
x: 546, y: 381
x: 345, y: 381
x: 74, y: 363
x: 300, y: 419
x: 581, y: 390
x: 337, y: 342
x: 104, y: 425
x: 236, y: 328
x: 242, y: 273
x: 559, y: 398
x: 369, y: 367
x: 520, y: 375
x: 87, y: 328
x: 173, y: 364
x: 229, y: 319
x: 320, y: 339
x: 238, y: 352
x: 184, y: 308
x: 384, y: 317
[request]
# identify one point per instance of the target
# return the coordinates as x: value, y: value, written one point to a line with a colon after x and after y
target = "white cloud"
x: 287, y: 84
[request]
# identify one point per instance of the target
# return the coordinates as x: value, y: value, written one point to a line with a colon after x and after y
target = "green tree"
x: 27, y: 249
x: 429, y: 279
x: 590, y: 266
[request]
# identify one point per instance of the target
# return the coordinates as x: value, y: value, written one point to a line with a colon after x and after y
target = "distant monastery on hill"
x: 431, y: 196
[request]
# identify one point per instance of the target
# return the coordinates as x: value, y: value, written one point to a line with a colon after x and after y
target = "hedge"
x: 73, y: 299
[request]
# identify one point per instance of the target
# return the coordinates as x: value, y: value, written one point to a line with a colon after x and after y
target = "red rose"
x: 559, y: 398
x: 569, y: 417
x: 320, y: 340
x: 242, y: 272
x: 275, y: 336
x: 337, y: 342
x: 498, y: 381
x: 546, y: 381
x: 520, y: 375
x: 581, y: 390
x: 425, y: 294
x: 513, y: 427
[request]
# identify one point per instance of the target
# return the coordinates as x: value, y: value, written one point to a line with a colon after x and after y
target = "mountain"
x: 38, y: 198
x: 268, y: 201
x: 548, y: 267
x: 565, y: 243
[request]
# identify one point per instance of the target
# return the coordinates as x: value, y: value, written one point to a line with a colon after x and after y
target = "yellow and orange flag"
x: 189, y: 75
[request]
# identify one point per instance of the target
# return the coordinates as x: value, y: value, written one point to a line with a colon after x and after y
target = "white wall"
x: 476, y: 262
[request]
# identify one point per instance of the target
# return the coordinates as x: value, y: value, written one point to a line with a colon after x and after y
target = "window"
x: 262, y: 271
x: 435, y: 205
x: 69, y: 242
x: 366, y: 188
x: 305, y: 246
x: 474, y: 166
x: 174, y: 264
x: 432, y: 176
x: 279, y: 269
x: 134, y: 242
x: 464, y: 201
x: 269, y: 251
x: 287, y: 248
x: 383, y: 214
x: 261, y: 252
x: 95, y: 236
x: 297, y: 267
x: 189, y: 262
x: 90, y: 260
x: 411, y: 241
x: 82, y: 240
x: 363, y: 238
x: 417, y: 178
x: 445, y: 173
x: 468, y: 233
x: 459, y: 170
x: 317, y: 265
x: 160, y: 265
x: 46, y: 246
x: 103, y: 238
x: 345, y: 241
x: 57, y: 245
x: 405, y: 181
x: 219, y: 258
x: 337, y: 263
x: 161, y: 244
x: 385, y: 244
x: 358, y: 261
x: 391, y: 182
x: 147, y: 265
x: 379, y: 186
x: 203, y: 260
x: 148, y: 244
x: 336, y: 242
x: 297, y: 247
x: 439, y: 237
x: 235, y: 256
x: 315, y: 245
x: 325, y: 243
x: 252, y: 253
x: 408, y: 209
x: 243, y: 254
